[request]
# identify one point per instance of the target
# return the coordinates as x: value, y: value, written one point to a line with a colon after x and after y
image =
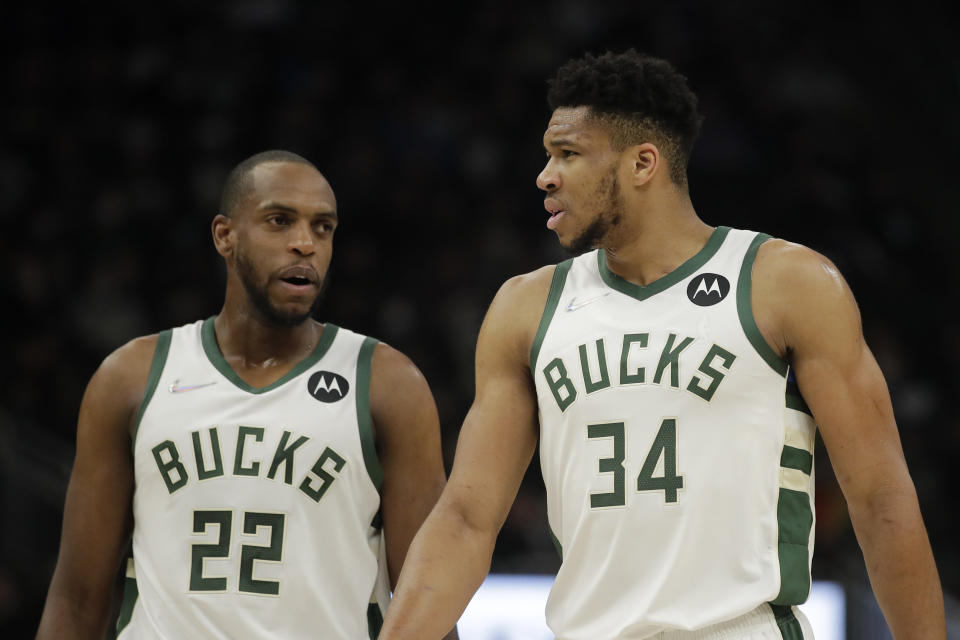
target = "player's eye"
x: 568, y: 153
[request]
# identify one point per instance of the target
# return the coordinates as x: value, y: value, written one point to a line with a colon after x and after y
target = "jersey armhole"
x: 153, y: 378
x: 553, y: 298
x: 364, y: 417
x: 745, y: 309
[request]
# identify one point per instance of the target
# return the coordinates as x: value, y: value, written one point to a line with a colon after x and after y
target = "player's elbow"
x: 468, y: 518
x: 890, y: 503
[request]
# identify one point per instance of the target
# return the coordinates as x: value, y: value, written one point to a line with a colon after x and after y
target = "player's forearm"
x: 67, y: 618
x: 446, y: 563
x: 900, y: 564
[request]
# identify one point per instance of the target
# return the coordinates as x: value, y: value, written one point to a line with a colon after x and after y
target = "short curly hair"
x: 640, y: 98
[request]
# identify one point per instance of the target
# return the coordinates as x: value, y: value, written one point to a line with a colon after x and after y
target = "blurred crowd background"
x: 831, y: 124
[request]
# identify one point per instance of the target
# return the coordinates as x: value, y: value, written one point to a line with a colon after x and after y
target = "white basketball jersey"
x: 255, y: 509
x: 676, y: 450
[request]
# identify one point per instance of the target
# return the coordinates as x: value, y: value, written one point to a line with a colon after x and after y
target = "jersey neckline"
x: 642, y: 292
x: 208, y: 338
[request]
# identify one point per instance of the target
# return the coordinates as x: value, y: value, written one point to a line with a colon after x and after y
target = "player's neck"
x: 656, y: 241
x: 249, y: 343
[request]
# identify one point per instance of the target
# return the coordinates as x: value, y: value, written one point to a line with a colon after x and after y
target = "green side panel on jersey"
x: 364, y: 419
x: 556, y: 542
x: 374, y: 620
x: 745, y: 309
x: 130, y: 595
x: 794, y: 458
x: 787, y: 622
x: 794, y: 399
x: 212, y: 349
x: 688, y: 268
x: 794, y: 519
x: 153, y: 378
x: 553, y: 298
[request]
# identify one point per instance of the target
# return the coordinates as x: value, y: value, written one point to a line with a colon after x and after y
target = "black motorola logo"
x: 327, y: 386
x: 707, y: 289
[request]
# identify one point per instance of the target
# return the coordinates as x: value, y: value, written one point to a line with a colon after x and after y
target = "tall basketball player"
x: 271, y: 469
x: 675, y: 374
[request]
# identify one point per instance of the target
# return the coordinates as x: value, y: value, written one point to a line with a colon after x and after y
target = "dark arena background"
x: 830, y: 124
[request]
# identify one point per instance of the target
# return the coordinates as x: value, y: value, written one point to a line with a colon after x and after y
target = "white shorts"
x: 763, y: 623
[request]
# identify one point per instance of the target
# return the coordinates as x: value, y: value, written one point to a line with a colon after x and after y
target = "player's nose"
x: 301, y: 239
x: 549, y: 178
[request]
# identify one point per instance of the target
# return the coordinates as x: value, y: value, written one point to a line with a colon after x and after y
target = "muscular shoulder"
x: 401, y: 402
x: 122, y: 376
x: 522, y: 287
x: 787, y: 264
x: 391, y: 369
x: 515, y: 312
x: 797, y: 291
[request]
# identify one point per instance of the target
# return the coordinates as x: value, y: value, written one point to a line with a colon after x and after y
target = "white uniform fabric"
x: 255, y: 510
x: 758, y: 624
x: 675, y: 449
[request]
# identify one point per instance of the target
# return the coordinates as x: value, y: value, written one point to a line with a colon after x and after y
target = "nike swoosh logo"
x: 573, y: 305
x: 176, y: 388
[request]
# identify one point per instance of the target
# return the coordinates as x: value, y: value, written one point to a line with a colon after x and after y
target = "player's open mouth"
x: 298, y: 285
x: 299, y: 278
x: 556, y: 211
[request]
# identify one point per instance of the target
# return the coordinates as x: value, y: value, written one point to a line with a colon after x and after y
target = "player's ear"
x: 224, y: 236
x: 644, y: 162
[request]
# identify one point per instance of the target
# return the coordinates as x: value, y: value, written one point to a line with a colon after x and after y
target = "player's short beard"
x: 260, y: 298
x: 610, y: 202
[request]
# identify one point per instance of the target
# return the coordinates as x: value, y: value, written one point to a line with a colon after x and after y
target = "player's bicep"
x: 499, y: 434
x: 841, y: 380
x: 97, y: 512
x: 851, y: 405
x: 408, y: 442
x: 494, y: 449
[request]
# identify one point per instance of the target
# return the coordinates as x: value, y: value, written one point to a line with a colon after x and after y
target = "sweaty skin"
x: 805, y: 312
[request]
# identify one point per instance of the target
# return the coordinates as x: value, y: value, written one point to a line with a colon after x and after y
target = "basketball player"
x: 267, y: 464
x: 673, y: 373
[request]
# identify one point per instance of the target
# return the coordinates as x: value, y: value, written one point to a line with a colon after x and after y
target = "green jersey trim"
x: 553, y: 297
x: 212, y: 349
x: 794, y: 520
x: 642, y: 292
x: 374, y: 620
x: 794, y: 458
x: 153, y: 378
x: 795, y: 400
x: 787, y: 622
x: 364, y: 419
x: 130, y: 595
x: 556, y: 542
x: 745, y: 309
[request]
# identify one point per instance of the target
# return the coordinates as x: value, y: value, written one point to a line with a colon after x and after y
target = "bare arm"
x: 450, y: 556
x: 97, y: 517
x: 408, y: 445
x: 807, y: 311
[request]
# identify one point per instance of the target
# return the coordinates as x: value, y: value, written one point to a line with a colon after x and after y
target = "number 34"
x: 664, y: 445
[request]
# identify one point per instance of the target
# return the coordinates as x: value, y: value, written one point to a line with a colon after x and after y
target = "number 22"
x: 248, y: 552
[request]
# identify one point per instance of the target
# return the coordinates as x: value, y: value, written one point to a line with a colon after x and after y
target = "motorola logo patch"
x: 327, y: 386
x: 707, y: 289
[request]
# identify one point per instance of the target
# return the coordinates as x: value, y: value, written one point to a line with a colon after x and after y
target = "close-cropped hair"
x: 237, y: 184
x: 639, y: 98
